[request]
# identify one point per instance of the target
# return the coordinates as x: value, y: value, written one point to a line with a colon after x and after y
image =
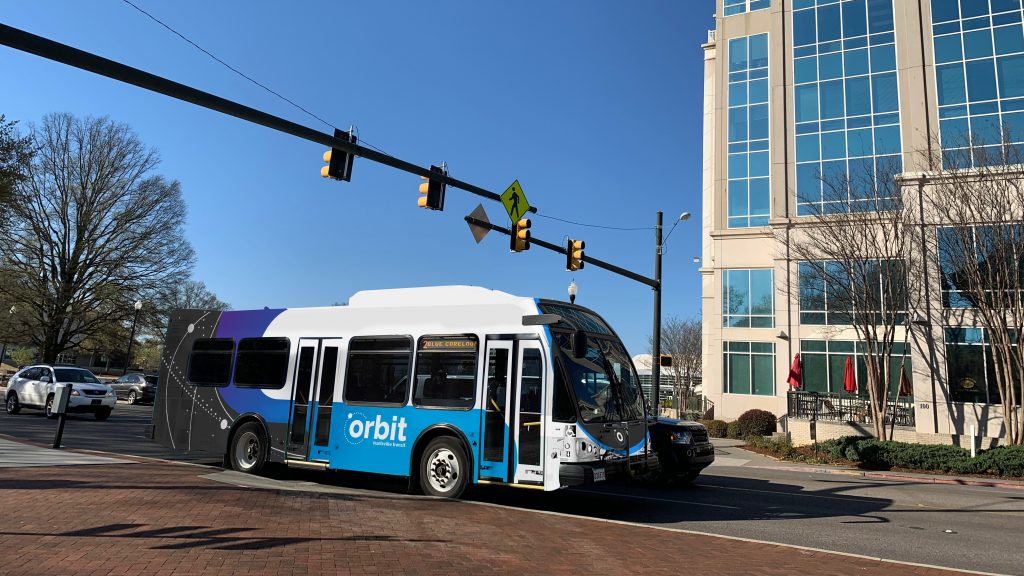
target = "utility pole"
x: 656, y: 338
x: 135, y: 320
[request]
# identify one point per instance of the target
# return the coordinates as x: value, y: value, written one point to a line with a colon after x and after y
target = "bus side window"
x: 446, y: 371
x: 378, y: 370
x: 209, y: 364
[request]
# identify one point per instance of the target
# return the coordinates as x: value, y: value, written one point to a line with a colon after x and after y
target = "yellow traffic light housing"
x: 574, y: 254
x: 520, y: 239
x: 433, y: 190
x: 339, y: 162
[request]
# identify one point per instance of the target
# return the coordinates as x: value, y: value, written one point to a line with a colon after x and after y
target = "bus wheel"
x: 443, y: 468
x: 248, y: 452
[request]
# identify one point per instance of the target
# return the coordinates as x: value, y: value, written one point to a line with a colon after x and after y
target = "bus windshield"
x: 607, y: 389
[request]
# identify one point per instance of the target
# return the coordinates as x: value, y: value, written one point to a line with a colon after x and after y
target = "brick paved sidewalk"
x: 164, y: 519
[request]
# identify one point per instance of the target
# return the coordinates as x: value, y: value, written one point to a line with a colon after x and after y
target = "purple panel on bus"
x: 250, y: 324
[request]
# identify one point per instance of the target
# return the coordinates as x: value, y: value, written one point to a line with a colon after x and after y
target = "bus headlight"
x: 683, y: 437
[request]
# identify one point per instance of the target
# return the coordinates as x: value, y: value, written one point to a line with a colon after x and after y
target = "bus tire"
x: 248, y: 449
x: 443, y: 468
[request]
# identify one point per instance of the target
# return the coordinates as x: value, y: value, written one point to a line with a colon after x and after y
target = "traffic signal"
x: 339, y: 162
x: 520, y: 239
x: 574, y: 254
x: 433, y: 190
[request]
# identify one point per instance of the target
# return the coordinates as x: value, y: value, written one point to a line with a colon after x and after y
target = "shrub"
x: 756, y: 423
x: 732, y: 430
x: 872, y: 453
x: 1004, y: 461
x: 781, y: 447
x: 716, y: 428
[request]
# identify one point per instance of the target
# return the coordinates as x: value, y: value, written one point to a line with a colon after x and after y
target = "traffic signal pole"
x: 46, y: 48
x: 656, y: 336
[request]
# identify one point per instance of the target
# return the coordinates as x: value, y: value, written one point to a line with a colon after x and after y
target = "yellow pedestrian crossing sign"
x: 515, y: 202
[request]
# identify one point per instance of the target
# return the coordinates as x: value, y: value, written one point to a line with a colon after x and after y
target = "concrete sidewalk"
x: 730, y: 453
x: 170, y: 519
x: 17, y: 455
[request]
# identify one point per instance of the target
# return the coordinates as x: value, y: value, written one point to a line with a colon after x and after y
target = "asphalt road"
x: 963, y: 527
x: 122, y: 433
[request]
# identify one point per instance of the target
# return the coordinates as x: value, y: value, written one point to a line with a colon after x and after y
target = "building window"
x: 748, y: 298
x: 847, y: 106
x: 378, y: 370
x: 749, y: 198
x: 979, y: 79
x: 210, y: 362
x: 826, y: 297
x: 970, y: 367
x: 262, y: 362
x: 749, y: 368
x: 824, y: 366
x: 981, y: 259
x: 733, y: 7
x: 446, y: 371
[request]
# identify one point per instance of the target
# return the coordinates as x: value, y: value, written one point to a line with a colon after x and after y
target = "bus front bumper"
x: 580, y: 473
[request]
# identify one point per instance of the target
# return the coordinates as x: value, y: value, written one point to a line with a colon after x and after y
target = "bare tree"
x: 974, y: 209
x: 681, y: 339
x: 15, y: 151
x: 93, y: 229
x: 189, y: 294
x: 852, y: 250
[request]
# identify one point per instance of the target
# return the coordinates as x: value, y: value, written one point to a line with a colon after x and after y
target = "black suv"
x: 683, y: 447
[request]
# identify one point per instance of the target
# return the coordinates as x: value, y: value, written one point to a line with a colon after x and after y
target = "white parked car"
x: 32, y: 387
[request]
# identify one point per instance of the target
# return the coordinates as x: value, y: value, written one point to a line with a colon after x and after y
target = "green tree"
x: 23, y: 356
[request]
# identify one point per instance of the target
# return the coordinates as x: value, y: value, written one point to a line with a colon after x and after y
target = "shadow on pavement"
x: 188, y: 537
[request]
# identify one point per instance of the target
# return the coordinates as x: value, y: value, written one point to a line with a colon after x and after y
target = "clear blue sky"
x: 594, y: 106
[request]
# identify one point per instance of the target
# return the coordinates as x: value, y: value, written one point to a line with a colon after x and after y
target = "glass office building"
x: 801, y: 93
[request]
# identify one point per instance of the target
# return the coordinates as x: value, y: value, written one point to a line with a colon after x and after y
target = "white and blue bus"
x: 447, y: 386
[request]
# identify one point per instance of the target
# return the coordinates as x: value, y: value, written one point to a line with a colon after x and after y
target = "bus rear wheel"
x: 248, y: 451
x: 444, y: 468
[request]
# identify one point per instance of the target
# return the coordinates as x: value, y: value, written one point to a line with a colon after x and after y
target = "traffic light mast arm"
x: 46, y: 48
x: 561, y: 250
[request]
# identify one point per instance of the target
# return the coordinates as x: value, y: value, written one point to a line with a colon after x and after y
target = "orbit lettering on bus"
x: 359, y: 428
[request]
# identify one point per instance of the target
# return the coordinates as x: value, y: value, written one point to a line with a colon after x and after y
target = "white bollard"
x: 974, y: 442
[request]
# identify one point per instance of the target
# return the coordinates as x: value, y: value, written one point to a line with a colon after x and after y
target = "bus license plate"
x: 598, y: 474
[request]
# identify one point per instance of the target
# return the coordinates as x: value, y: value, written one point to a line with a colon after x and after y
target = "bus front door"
x: 513, y: 426
x: 312, y: 401
x: 529, y: 420
x: 494, y: 448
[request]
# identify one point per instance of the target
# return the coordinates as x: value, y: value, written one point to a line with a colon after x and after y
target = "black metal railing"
x: 846, y: 408
x: 695, y: 407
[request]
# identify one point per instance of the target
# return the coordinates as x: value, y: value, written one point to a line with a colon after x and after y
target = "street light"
x: 131, y: 340
x: 572, y: 292
x: 656, y: 337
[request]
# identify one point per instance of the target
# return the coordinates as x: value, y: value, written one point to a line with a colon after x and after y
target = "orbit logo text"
x: 382, y: 431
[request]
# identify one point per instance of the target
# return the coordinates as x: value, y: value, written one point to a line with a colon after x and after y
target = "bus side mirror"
x: 579, y: 344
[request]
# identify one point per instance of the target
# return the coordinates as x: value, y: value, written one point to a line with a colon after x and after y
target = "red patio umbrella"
x: 795, y: 374
x: 849, y: 379
x: 906, y: 388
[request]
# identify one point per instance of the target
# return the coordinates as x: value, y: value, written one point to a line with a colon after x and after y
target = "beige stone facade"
x: 937, y: 419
